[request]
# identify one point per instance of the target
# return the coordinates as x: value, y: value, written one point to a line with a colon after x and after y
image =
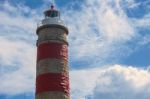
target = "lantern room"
x: 51, y: 13
x: 52, y: 17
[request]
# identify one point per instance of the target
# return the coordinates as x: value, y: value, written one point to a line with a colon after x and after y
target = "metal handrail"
x: 47, y: 21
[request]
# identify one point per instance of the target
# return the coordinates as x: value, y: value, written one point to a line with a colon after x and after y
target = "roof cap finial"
x: 52, y: 4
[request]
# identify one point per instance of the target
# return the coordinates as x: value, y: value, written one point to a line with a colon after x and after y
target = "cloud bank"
x: 115, y: 82
x: 101, y: 31
x: 103, y: 27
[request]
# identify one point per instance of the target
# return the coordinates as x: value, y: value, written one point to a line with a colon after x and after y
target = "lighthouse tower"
x: 52, y: 76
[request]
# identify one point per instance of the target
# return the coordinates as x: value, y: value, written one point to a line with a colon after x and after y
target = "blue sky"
x: 108, y: 39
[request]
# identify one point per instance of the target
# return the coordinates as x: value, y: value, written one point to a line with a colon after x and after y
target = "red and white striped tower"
x: 52, y: 73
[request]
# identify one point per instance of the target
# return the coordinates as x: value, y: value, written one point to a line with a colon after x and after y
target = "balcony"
x: 50, y: 21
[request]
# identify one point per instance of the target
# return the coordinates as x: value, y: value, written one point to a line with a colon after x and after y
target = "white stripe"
x: 51, y: 41
x: 52, y: 95
x: 52, y: 66
x: 52, y: 34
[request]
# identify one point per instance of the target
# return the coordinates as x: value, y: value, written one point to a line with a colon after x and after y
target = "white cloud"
x: 143, y: 22
x: 15, y: 25
x: 115, y: 82
x: 17, y: 67
x: 145, y: 40
x: 132, y: 3
x: 20, y: 16
x: 17, y: 52
x: 98, y: 29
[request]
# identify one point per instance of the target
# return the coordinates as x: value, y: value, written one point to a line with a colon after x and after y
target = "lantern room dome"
x: 52, y: 18
x: 52, y: 12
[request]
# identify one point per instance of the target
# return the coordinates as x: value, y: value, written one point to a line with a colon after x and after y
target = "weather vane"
x: 52, y: 4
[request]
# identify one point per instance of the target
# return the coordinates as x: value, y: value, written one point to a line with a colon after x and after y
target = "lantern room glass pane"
x: 52, y: 14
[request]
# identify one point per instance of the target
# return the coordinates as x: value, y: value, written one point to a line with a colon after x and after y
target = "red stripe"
x: 52, y: 82
x: 52, y: 50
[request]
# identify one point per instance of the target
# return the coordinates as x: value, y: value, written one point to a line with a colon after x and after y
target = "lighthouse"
x: 52, y: 71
